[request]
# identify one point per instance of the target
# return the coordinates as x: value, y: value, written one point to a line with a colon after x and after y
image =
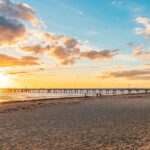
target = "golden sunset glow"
x: 4, y: 81
x: 71, y: 53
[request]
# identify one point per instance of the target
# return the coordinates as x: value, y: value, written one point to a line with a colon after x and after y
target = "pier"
x: 84, y: 91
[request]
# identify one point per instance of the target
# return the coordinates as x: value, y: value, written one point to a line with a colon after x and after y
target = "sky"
x: 74, y: 43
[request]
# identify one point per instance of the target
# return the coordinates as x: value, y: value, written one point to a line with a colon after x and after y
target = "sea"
x: 7, y: 97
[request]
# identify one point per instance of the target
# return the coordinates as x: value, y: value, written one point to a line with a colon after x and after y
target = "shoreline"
x: 37, y: 100
x: 69, y: 97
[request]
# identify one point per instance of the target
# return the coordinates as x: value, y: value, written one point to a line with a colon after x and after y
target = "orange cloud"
x: 138, y: 50
x: 16, y: 72
x: 10, y: 61
x: 141, y: 74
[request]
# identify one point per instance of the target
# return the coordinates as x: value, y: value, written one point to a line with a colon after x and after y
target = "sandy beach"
x: 103, y: 123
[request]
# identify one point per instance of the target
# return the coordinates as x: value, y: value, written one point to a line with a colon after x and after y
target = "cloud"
x: 70, y: 42
x: 14, y: 19
x: 138, y: 50
x: 16, y: 72
x: 99, y: 55
x: 143, y: 20
x: 10, y: 31
x: 64, y: 52
x: 146, y: 26
x: 147, y: 65
x: 65, y: 55
x: 13, y: 22
x: 18, y: 11
x: 51, y: 37
x: 36, y: 49
x: 143, y: 74
x: 67, y: 51
x: 10, y: 61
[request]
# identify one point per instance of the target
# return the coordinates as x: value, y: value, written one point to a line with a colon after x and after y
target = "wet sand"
x: 105, y: 123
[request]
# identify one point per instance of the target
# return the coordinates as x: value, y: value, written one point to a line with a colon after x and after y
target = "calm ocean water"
x: 4, y: 97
